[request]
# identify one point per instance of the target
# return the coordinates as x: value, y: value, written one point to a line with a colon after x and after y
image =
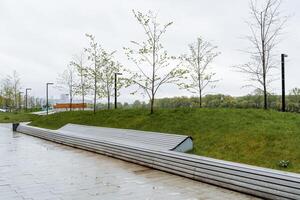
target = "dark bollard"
x: 15, y: 126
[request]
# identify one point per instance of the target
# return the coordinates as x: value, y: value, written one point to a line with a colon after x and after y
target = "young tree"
x: 295, y: 95
x: 151, y: 59
x: 32, y: 103
x: 10, y: 88
x: 66, y: 81
x: 266, y: 25
x: 16, y: 87
x: 202, y: 54
x: 8, y: 92
x: 83, y: 86
x: 94, y: 55
x: 110, y: 67
x: 1, y: 99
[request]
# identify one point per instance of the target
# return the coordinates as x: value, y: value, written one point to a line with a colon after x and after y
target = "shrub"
x: 284, y: 163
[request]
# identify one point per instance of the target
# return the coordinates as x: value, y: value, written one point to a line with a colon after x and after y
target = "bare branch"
x: 266, y: 25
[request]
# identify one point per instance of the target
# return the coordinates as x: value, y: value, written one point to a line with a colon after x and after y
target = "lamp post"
x: 116, y: 94
x: 283, y: 56
x: 26, y: 95
x: 20, y: 101
x: 47, y: 102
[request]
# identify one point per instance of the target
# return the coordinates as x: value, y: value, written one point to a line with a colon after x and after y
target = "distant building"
x: 68, y: 106
x: 63, y: 103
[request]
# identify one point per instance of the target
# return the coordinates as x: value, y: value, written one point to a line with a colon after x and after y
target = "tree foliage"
x: 67, y: 81
x: 151, y: 59
x: 83, y: 85
x: 102, y: 70
x: 10, y: 91
x: 94, y: 52
x: 266, y: 25
x: 110, y: 68
x: 202, y: 54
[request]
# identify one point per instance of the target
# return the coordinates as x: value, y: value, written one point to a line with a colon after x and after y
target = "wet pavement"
x: 32, y: 168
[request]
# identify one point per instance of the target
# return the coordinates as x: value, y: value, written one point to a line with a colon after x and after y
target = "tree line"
x: 154, y: 67
x: 93, y: 71
x: 253, y: 100
x: 12, y: 98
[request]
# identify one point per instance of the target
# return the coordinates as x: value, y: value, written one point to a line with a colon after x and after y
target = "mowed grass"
x: 255, y: 137
x: 7, y: 117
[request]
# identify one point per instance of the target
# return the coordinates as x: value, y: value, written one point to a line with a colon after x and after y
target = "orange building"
x: 68, y: 106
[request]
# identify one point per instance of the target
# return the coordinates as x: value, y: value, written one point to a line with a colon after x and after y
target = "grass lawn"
x: 255, y: 137
x: 15, y: 117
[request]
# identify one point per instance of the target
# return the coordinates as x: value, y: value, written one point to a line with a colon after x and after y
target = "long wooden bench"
x: 146, y: 139
x: 261, y: 182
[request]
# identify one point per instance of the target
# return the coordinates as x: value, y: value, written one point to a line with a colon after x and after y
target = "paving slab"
x: 5, y: 125
x: 32, y: 168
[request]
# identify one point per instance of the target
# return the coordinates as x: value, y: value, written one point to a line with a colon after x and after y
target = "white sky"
x: 38, y: 38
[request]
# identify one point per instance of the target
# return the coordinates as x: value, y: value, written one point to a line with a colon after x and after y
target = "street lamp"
x: 283, y: 56
x: 47, y: 103
x: 116, y: 94
x: 26, y: 95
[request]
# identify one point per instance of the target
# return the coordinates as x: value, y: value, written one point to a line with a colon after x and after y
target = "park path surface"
x: 32, y: 168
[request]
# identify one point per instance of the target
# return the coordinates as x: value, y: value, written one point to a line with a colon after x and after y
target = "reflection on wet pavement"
x: 32, y: 168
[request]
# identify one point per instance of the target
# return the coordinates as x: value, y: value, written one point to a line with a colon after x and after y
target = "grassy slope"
x: 254, y: 137
x: 16, y: 117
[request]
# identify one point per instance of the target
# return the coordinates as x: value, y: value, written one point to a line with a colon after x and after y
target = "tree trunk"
x: 95, y: 99
x: 153, y: 71
x: 108, y: 102
x: 83, y: 101
x: 15, y: 95
x: 200, y: 93
x: 152, y: 106
x: 95, y: 92
x: 200, y: 99
x: 264, y: 76
x: 265, y: 97
x: 71, y: 101
x: 108, y: 95
x: 199, y: 75
x: 263, y: 59
x: 82, y: 87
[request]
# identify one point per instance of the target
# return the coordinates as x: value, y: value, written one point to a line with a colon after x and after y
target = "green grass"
x: 15, y: 117
x: 255, y: 137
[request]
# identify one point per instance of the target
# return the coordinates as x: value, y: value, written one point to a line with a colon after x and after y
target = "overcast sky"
x: 38, y: 38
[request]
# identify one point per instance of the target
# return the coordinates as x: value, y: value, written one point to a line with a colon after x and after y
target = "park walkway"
x: 32, y: 168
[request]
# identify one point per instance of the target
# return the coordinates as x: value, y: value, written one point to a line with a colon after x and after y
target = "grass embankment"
x: 255, y: 137
x: 7, y: 117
